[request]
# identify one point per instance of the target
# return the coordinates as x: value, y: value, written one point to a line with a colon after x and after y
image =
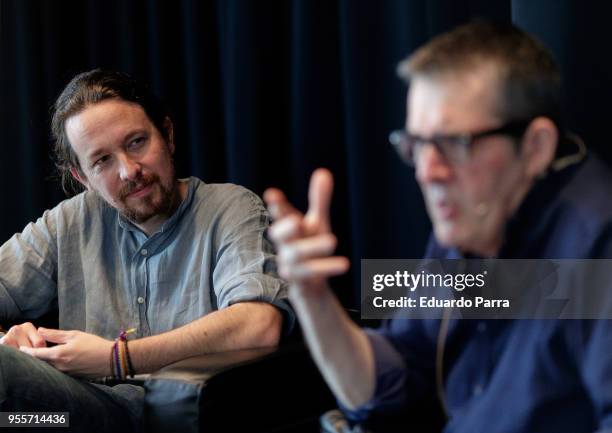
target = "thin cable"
x: 442, y: 334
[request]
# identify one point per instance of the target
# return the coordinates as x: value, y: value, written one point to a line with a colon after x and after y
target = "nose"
x: 431, y: 165
x: 129, y: 169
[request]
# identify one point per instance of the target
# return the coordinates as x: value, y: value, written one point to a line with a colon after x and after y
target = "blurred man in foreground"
x: 500, y: 179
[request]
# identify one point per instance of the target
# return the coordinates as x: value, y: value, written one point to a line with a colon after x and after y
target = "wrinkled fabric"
x: 104, y: 274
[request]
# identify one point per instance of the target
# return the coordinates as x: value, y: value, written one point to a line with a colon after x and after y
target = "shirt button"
x: 482, y: 327
x: 140, y: 300
x: 477, y: 389
x: 144, y: 252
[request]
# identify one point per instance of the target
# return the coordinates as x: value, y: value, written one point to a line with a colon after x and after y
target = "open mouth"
x: 445, y: 209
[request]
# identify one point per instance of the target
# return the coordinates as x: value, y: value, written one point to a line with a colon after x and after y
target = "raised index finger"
x: 319, y: 201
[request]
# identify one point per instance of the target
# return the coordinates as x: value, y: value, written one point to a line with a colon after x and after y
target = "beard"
x: 161, y: 201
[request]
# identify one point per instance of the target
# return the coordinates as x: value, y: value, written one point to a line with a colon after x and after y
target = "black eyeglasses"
x: 455, y: 149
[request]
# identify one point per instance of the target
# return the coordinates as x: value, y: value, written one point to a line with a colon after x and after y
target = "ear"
x: 80, y: 177
x: 539, y: 146
x: 169, y: 128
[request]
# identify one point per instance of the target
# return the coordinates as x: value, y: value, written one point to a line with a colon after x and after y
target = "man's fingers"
x: 286, y: 229
x: 33, y: 335
x: 9, y: 340
x: 18, y: 336
x: 38, y: 341
x: 319, y: 201
x: 312, y: 247
x: 55, y: 335
x: 315, y: 269
x: 278, y: 205
x: 43, y: 353
x: 23, y: 335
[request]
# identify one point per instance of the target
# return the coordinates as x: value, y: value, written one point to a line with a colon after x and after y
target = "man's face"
x: 468, y: 203
x: 124, y: 158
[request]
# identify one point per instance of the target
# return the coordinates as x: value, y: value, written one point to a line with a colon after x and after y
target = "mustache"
x: 132, y: 185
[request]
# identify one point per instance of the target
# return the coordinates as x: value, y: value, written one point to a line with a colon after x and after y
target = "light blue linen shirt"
x: 104, y: 274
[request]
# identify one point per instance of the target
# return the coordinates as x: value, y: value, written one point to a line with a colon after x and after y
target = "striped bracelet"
x: 120, y: 361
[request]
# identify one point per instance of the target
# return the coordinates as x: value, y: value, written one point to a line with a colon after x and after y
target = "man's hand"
x: 305, y: 246
x: 24, y: 335
x: 77, y: 353
x: 305, y: 243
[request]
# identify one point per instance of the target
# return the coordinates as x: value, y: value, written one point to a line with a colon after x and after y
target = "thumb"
x: 54, y: 335
x: 319, y: 200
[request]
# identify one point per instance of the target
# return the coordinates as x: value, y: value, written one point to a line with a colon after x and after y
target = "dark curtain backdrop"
x: 265, y: 91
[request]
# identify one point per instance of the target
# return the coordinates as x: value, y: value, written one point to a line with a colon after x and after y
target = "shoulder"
x: 226, y: 204
x: 225, y: 196
x: 82, y: 210
x: 589, y: 191
x: 585, y: 208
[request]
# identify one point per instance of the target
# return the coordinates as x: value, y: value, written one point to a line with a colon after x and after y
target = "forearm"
x: 240, y: 326
x: 340, y: 348
x: 305, y: 246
